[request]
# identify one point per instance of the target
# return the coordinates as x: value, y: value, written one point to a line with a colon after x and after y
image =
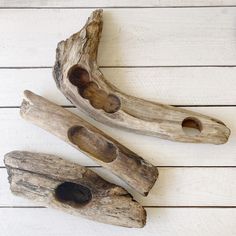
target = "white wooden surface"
x: 115, y: 3
x: 175, y: 85
x: 172, y: 36
x: 180, y: 52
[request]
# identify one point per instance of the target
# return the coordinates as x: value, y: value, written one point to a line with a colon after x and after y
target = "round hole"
x: 112, y: 104
x: 78, y: 76
x: 191, y: 126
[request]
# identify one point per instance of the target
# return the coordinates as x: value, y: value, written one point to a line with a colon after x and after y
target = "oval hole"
x: 191, y: 126
x: 73, y: 194
x: 92, y: 143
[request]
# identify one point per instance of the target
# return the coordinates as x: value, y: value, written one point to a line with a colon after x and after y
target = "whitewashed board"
x: 161, y: 221
x: 131, y: 37
x: 114, y: 3
x: 194, y: 221
x: 176, y: 85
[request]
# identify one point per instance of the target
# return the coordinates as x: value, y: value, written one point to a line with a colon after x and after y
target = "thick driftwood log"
x: 109, y: 153
x: 78, y: 77
x: 72, y: 188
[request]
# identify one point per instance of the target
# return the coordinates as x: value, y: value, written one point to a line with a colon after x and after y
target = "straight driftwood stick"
x: 78, y: 77
x: 109, y: 153
x: 72, y: 188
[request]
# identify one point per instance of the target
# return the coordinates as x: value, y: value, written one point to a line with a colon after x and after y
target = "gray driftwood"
x: 109, y: 153
x: 72, y: 188
x: 78, y: 77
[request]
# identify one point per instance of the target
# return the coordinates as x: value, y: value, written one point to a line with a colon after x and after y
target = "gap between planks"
x: 205, y: 207
x: 115, y: 7
x: 116, y: 4
x: 70, y: 106
x: 3, y: 167
x: 120, y: 67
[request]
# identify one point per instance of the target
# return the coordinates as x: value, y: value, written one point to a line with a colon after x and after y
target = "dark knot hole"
x: 73, y: 194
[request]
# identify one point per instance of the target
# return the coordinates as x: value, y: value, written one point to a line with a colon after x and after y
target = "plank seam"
x: 204, y: 207
x: 116, y: 7
x: 122, y: 67
x: 202, y: 105
x: 201, y: 167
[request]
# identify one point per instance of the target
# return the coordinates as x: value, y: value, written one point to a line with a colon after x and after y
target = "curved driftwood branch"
x: 78, y: 77
x: 127, y: 165
x: 72, y: 188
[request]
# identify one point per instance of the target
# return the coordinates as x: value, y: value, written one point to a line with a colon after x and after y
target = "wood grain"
x: 191, y: 36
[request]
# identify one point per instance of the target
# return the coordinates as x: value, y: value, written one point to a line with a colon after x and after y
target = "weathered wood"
x: 77, y: 75
x: 109, y: 153
x: 72, y: 188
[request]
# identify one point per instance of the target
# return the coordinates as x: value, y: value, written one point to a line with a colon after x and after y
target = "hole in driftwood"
x: 191, y: 126
x: 74, y: 194
x: 92, y: 143
x: 98, y: 98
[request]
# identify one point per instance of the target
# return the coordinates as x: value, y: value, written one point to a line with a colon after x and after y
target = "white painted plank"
x: 115, y: 3
x: 140, y: 37
x: 18, y: 134
x: 175, y: 187
x: 161, y: 222
x: 177, y: 86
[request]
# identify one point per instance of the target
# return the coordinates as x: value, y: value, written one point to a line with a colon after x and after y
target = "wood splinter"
x: 72, y: 188
x: 109, y: 153
x: 78, y: 77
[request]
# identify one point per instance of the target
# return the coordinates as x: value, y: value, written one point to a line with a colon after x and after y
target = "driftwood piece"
x: 72, y: 188
x: 78, y: 77
x: 109, y: 153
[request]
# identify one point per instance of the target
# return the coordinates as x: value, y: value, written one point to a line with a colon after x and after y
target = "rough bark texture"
x: 72, y: 188
x: 78, y: 77
x: 127, y: 165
